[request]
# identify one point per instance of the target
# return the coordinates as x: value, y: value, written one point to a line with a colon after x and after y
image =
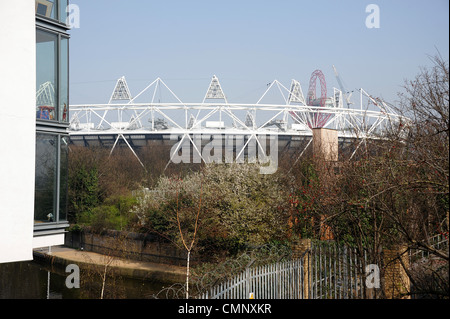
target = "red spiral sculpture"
x: 319, y: 119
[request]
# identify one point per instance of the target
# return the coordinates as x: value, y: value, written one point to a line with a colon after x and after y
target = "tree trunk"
x: 187, y: 274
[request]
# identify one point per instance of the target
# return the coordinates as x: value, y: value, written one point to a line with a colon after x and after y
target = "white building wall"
x: 17, y: 128
x: 47, y: 241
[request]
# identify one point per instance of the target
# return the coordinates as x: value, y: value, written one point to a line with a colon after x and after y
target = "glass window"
x: 64, y: 80
x: 51, y: 58
x: 46, y: 178
x: 64, y: 172
x: 46, y: 75
x: 52, y: 153
x: 53, y: 9
x: 46, y: 8
x: 63, y: 11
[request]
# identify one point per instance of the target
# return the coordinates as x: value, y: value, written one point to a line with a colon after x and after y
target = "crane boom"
x: 342, y: 87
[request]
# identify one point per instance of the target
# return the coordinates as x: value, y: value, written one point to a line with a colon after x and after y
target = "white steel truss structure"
x: 45, y: 94
x: 121, y: 91
x: 215, y: 115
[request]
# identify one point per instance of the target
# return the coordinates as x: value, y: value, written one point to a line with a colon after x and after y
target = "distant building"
x: 34, y: 100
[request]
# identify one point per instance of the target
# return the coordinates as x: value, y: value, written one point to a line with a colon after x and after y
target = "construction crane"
x: 346, y: 94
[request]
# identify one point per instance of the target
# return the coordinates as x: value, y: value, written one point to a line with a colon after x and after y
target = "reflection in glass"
x: 45, y: 184
x: 63, y: 178
x: 52, y: 8
x: 64, y: 80
x: 46, y: 75
x: 46, y: 8
x: 63, y: 11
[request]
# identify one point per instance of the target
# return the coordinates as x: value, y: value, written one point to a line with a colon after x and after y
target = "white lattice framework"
x: 45, y: 94
x: 216, y: 115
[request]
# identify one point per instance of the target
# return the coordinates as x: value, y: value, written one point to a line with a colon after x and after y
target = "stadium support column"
x: 325, y: 152
x: 325, y: 144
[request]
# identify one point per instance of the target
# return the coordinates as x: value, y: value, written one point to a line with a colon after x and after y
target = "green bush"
x: 114, y: 213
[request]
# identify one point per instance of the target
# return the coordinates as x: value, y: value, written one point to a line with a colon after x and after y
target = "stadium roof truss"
x: 123, y: 115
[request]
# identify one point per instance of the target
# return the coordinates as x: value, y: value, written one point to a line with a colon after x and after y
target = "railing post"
x: 247, y: 282
x: 301, y: 249
x: 345, y: 278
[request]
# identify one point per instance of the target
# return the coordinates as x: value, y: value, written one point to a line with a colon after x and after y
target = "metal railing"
x: 282, y: 280
x: 438, y: 242
x: 336, y: 271
x: 325, y: 271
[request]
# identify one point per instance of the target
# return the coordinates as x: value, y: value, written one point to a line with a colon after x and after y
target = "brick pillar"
x: 325, y: 230
x: 396, y: 280
x: 302, y: 248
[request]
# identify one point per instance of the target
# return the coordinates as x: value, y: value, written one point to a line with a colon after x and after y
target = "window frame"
x: 60, y: 79
x: 57, y: 183
x: 57, y: 6
x: 59, y: 110
x: 56, y: 126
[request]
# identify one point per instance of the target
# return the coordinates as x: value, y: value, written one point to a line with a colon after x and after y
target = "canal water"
x: 35, y: 280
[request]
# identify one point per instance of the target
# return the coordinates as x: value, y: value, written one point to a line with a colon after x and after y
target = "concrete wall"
x: 142, y: 247
x: 17, y: 128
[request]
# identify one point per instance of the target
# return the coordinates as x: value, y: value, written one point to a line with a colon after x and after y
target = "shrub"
x: 114, y: 213
x: 239, y: 207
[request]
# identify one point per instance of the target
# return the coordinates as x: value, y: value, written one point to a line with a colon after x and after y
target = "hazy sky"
x: 249, y: 43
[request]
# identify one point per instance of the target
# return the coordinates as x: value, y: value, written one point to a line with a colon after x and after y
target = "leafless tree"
x: 396, y: 191
x: 188, y: 244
